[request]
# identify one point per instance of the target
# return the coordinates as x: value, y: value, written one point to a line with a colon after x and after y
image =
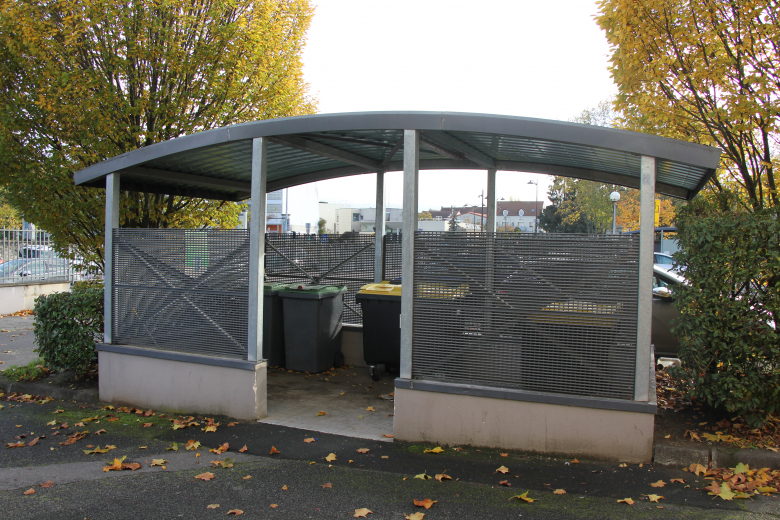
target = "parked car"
x: 33, y: 269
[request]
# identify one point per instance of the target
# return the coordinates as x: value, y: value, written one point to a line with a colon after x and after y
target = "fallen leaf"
x: 158, y: 462
x: 100, y: 432
x: 30, y: 491
x: 52, y: 423
x: 502, y: 469
x: 725, y: 492
x: 658, y: 484
x: 147, y: 424
x: 361, y: 513
x: 131, y: 466
x: 247, y: 477
x: 388, y: 435
x: 524, y: 497
x: 697, y: 469
x: 575, y: 461
x: 173, y: 447
x: 622, y: 465
x: 47, y: 484
x: 222, y: 448
x: 654, y: 498
x: 19, y: 444
x: 192, y: 444
x: 437, y: 449
x: 626, y: 501
x: 322, y: 413
x: 33, y: 442
x: 108, y: 407
x: 741, y: 468
x: 227, y: 463
x: 235, y: 512
x: 274, y: 506
x: 98, y: 449
x: 694, y: 436
x: 212, y: 506
x: 326, y: 485
x: 284, y: 487
x: 309, y: 440
x: 362, y: 450
x: 232, y: 424
x: 427, y: 503
x: 442, y: 476
x: 678, y: 480
x: 331, y: 457
x: 242, y: 450
x: 370, y: 409
x: 414, y: 516
x: 559, y: 492
x: 205, y: 476
x: 385, y: 456
x: 504, y: 483
x: 423, y: 476
x: 504, y: 454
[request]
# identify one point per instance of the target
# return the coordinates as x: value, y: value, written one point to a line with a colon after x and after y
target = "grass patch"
x: 32, y: 371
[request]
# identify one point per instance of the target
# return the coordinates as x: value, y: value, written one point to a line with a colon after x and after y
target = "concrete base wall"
x: 451, y: 419
x: 18, y: 297
x: 352, y: 346
x: 179, y: 386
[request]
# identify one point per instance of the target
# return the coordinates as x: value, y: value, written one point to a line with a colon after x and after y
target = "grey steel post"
x: 645, y: 303
x: 411, y: 176
x: 491, y: 201
x: 379, y: 224
x: 257, y: 248
x: 112, y: 223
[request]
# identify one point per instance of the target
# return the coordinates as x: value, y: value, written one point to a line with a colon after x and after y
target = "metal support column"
x: 379, y: 225
x: 491, y: 201
x: 411, y: 177
x: 645, y: 303
x: 257, y: 248
x: 112, y: 223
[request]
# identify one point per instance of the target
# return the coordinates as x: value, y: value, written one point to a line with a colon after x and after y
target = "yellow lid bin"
x: 381, y: 288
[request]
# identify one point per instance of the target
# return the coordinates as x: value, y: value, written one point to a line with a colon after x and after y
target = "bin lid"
x: 273, y: 286
x: 381, y: 288
x: 312, y: 289
x: 441, y: 291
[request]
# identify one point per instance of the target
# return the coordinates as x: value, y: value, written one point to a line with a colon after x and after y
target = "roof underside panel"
x: 217, y: 163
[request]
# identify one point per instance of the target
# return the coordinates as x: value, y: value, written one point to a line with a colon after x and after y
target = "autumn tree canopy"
x: 704, y: 71
x: 84, y: 81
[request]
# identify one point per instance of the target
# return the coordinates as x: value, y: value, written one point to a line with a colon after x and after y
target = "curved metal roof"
x: 217, y: 163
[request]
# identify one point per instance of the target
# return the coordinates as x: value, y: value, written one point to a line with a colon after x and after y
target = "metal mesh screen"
x: 548, y: 312
x: 182, y: 289
x: 346, y: 259
x: 391, y: 257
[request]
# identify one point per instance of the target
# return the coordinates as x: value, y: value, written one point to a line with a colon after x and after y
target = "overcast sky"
x: 512, y: 57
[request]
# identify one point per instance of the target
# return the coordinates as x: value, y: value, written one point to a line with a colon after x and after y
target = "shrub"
x: 729, y: 350
x: 67, y: 325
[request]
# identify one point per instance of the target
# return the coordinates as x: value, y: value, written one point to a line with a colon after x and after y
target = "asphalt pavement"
x: 17, y: 341
x: 301, y: 482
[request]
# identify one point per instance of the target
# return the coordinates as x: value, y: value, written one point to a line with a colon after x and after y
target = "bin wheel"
x: 338, y: 359
x: 374, y: 373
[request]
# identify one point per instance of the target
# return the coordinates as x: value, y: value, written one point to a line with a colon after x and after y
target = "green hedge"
x: 729, y: 351
x: 67, y: 326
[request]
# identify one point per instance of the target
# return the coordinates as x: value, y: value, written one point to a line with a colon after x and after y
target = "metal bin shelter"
x: 592, y: 395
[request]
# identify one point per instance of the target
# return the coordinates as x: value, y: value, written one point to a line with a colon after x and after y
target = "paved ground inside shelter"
x: 17, y: 341
x: 353, y: 404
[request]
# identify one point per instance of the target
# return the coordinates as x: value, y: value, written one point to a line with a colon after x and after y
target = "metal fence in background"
x: 28, y: 257
x: 547, y: 312
x: 333, y: 259
x: 182, y: 289
x: 392, y: 259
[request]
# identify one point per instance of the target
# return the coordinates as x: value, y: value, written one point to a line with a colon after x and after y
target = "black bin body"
x: 273, y: 325
x: 381, y: 328
x: 312, y: 328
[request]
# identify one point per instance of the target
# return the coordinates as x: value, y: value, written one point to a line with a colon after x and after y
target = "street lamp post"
x: 536, y: 206
x: 482, y: 211
x: 614, y: 197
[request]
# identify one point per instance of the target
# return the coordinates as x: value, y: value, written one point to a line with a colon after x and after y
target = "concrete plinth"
x: 182, y: 386
x: 571, y: 431
x: 19, y: 297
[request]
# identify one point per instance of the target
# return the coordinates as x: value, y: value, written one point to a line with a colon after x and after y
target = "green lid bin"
x: 273, y: 324
x: 312, y: 326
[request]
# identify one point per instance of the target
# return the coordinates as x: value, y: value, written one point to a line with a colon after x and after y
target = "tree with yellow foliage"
x: 84, y: 81
x: 704, y: 71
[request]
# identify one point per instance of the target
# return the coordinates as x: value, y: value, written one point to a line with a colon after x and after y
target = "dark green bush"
x: 68, y: 324
x: 729, y: 350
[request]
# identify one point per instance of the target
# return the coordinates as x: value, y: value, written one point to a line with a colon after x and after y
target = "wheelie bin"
x: 381, y: 306
x: 273, y: 324
x: 312, y: 326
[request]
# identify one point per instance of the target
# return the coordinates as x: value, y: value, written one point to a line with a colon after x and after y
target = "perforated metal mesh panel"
x: 548, y: 312
x: 183, y: 290
x: 327, y: 259
x: 391, y: 257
